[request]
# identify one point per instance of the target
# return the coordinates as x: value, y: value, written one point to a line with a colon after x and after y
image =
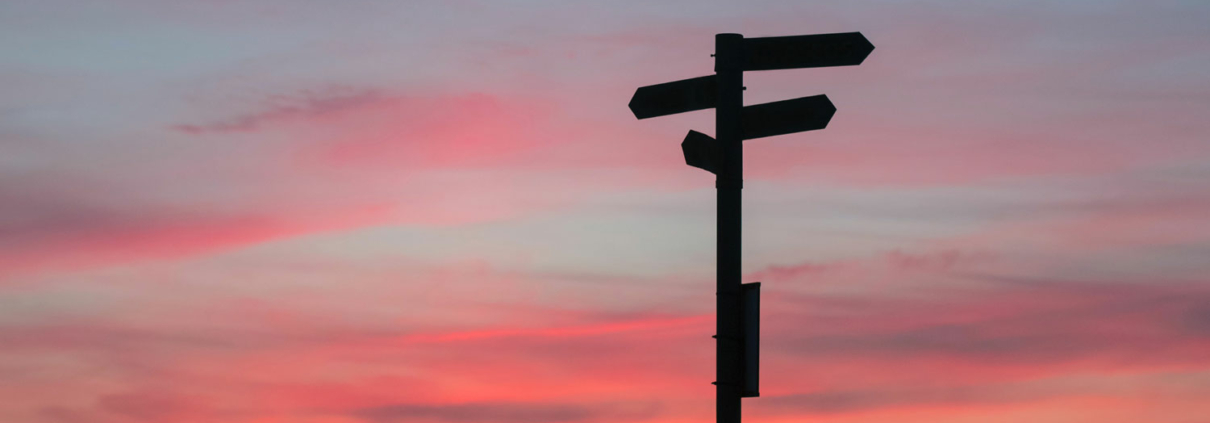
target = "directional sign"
x: 786, y: 117
x: 702, y: 151
x: 674, y: 97
x: 805, y: 51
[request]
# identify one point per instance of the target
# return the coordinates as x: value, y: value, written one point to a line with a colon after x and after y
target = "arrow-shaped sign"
x: 701, y: 151
x: 805, y: 51
x: 674, y: 97
x: 786, y: 117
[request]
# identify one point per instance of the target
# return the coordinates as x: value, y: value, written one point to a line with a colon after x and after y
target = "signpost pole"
x: 737, y: 330
x: 728, y: 67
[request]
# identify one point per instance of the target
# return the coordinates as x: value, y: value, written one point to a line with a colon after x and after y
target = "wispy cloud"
x: 306, y: 105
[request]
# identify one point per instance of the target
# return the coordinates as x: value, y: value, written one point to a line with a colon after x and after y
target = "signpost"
x: 738, y: 324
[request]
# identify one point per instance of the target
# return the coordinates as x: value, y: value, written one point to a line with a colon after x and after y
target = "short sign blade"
x: 674, y: 97
x: 806, y: 51
x: 701, y: 151
x: 786, y: 117
x: 750, y: 322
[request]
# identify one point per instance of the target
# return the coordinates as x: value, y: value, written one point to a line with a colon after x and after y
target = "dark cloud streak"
x: 306, y: 104
x: 498, y: 412
x: 1039, y: 323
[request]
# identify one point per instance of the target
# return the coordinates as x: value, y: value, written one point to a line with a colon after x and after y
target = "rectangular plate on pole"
x: 806, y: 51
x: 675, y: 97
x: 751, y: 326
x: 786, y: 116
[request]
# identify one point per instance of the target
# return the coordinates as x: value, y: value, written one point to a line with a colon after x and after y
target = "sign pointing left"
x: 675, y: 97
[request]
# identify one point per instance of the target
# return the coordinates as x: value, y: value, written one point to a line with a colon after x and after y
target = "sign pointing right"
x: 786, y: 117
x: 806, y: 51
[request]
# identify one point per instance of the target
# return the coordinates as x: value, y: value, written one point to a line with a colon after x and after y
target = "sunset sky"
x: 369, y: 211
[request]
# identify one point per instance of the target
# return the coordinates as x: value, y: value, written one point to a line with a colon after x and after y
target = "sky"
x: 443, y: 212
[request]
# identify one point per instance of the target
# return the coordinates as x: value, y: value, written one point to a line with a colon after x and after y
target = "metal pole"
x: 729, y: 345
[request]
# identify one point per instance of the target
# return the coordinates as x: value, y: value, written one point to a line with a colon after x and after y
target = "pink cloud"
x: 512, y: 412
x: 364, y: 127
x: 162, y: 235
x: 475, y: 129
x: 1011, y: 344
x: 566, y: 332
x: 330, y: 159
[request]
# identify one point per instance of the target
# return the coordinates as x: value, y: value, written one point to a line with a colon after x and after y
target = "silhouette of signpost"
x: 738, y: 323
